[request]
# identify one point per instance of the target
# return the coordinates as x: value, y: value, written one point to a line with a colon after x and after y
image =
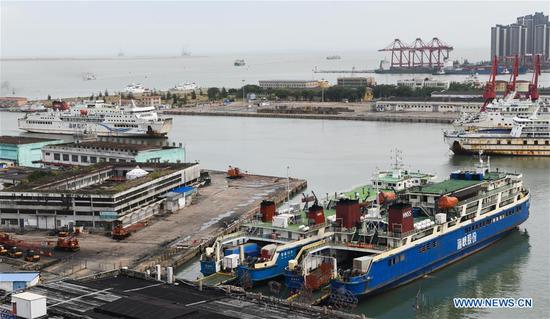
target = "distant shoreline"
x: 104, y: 58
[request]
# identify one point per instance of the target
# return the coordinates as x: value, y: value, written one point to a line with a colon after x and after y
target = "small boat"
x: 239, y: 62
x: 334, y: 57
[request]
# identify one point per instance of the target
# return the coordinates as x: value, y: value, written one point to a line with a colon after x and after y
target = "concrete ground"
x: 215, y: 206
x: 361, y: 112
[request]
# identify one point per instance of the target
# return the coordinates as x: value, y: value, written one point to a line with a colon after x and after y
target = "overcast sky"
x: 45, y: 29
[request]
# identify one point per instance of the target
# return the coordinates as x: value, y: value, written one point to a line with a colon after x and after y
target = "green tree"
x: 106, y: 93
x: 193, y: 95
x: 213, y: 93
x: 168, y: 95
x: 49, y: 97
x: 184, y: 100
x: 100, y: 94
x: 223, y: 93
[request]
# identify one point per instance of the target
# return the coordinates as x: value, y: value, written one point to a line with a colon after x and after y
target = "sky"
x: 157, y: 28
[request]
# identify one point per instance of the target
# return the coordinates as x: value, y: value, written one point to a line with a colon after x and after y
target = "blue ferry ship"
x: 263, y: 247
x: 429, y: 227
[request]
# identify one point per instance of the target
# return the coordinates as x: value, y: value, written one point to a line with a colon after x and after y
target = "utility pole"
x: 322, y: 90
x: 243, y: 94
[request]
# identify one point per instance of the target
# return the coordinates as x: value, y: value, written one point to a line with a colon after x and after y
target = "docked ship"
x: 275, y: 244
x: 98, y: 118
x: 400, y: 228
x: 527, y: 137
x: 431, y: 226
x: 510, y: 126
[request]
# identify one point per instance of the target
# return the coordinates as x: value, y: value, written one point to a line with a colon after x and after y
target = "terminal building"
x: 22, y: 150
x: 91, y: 152
x: 356, y: 81
x: 292, y: 84
x: 420, y: 83
x: 427, y: 106
x: 93, y: 196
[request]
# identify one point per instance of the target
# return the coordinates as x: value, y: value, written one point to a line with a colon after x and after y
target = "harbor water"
x: 338, y: 155
x: 38, y: 78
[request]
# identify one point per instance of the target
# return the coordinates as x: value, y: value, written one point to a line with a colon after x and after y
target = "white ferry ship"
x: 135, y: 88
x: 499, y: 115
x: 100, y: 119
x: 528, y: 136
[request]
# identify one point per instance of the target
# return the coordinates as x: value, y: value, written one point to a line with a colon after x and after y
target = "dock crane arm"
x: 533, y: 92
x: 511, y: 86
x: 489, y: 93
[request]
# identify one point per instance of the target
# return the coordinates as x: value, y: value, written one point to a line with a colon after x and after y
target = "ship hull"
x: 417, y: 264
x: 145, y: 129
x: 262, y: 274
x: 498, y: 145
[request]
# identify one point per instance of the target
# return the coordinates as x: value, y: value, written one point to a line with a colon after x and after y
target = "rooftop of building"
x: 104, y: 145
x: 20, y: 140
x: 52, y: 181
x: 127, y: 294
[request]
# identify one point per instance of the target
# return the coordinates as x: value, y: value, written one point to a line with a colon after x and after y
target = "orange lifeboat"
x: 83, y: 112
x: 446, y: 202
x: 386, y: 197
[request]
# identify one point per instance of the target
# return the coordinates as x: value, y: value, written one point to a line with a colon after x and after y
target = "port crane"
x: 511, y: 86
x: 533, y: 92
x: 490, y: 93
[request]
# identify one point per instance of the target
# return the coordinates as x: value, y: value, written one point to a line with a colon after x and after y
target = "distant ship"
x: 98, y: 118
x: 135, y: 88
x: 88, y: 76
x: 239, y: 62
x: 184, y: 52
x: 334, y: 57
x: 186, y: 87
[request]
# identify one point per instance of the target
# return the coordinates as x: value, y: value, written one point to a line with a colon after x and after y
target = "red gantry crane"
x: 533, y: 92
x: 490, y: 92
x: 399, y: 54
x: 511, y: 86
x: 418, y: 54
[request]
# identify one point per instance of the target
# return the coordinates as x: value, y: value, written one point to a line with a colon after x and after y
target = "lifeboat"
x: 446, y: 202
x: 83, y: 112
x: 386, y: 197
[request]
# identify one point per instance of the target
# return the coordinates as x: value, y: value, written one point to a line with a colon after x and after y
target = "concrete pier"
x: 170, y: 240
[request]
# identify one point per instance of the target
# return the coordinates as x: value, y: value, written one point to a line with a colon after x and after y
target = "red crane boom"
x: 490, y: 92
x: 511, y: 86
x: 533, y: 92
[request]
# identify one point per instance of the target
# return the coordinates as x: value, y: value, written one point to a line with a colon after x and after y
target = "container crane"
x: 533, y: 92
x: 511, y: 86
x: 490, y: 93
